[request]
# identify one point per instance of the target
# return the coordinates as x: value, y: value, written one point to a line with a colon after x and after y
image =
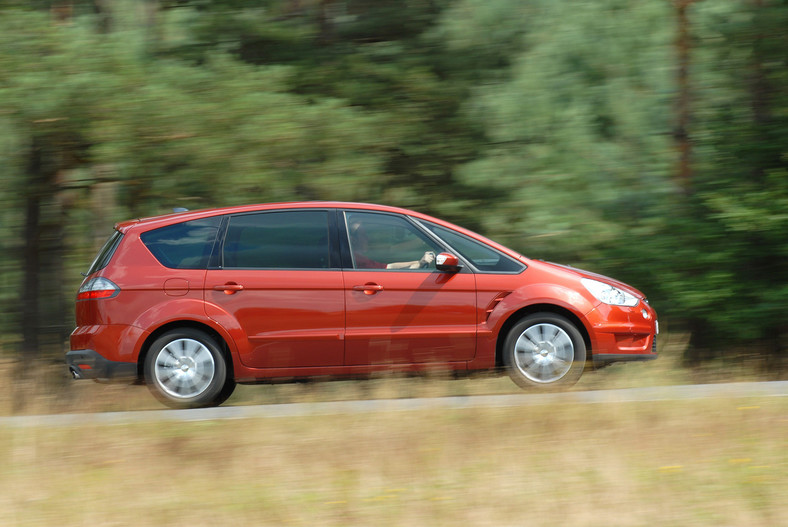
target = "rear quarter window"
x: 186, y: 245
x: 105, y: 254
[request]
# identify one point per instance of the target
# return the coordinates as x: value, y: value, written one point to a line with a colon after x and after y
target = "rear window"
x: 105, y: 254
x: 184, y: 245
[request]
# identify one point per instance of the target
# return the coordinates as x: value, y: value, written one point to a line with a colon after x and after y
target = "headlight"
x: 608, y: 294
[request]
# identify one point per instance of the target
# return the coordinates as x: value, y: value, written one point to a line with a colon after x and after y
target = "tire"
x: 185, y: 368
x: 544, y: 351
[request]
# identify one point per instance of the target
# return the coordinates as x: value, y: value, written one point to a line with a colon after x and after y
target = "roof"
x: 178, y: 217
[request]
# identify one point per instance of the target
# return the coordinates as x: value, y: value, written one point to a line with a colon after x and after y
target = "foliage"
x: 737, y: 210
x: 550, y: 126
x: 578, y: 132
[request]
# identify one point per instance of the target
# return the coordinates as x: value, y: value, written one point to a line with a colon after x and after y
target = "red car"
x: 194, y: 302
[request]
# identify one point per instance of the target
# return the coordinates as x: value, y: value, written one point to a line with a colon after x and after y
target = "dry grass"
x: 706, y: 463
x: 714, y: 463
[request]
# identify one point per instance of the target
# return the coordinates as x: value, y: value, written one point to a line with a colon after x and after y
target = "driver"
x: 359, y: 242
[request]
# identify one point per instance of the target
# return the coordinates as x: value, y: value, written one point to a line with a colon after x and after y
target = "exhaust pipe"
x: 75, y: 373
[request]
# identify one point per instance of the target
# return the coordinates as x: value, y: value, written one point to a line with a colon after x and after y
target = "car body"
x: 192, y: 303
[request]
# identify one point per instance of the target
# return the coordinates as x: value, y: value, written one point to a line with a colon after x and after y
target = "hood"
x: 594, y: 276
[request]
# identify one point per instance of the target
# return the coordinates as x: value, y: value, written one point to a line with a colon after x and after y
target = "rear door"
x: 400, y: 309
x: 279, y: 280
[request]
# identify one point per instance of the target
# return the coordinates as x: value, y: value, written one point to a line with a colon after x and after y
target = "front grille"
x: 654, y: 345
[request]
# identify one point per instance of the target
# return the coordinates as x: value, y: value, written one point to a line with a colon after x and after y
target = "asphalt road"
x: 660, y: 393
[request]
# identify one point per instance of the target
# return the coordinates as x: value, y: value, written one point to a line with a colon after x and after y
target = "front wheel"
x: 185, y: 368
x: 544, y: 351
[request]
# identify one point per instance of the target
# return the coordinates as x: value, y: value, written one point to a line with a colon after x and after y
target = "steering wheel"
x: 424, y: 264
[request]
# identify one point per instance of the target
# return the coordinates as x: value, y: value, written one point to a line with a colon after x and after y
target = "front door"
x: 400, y: 309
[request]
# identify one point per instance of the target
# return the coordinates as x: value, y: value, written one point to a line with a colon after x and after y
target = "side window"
x: 184, y: 245
x: 483, y: 257
x: 278, y: 240
x: 384, y: 241
x: 105, y: 254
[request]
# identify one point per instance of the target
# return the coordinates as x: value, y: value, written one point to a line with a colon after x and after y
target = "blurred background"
x: 644, y: 139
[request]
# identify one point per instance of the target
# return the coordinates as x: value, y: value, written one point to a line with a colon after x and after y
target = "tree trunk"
x: 103, y: 13
x: 683, y: 112
x: 31, y: 261
x: 325, y: 22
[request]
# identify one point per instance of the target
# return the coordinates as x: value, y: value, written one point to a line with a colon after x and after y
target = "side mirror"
x: 447, y: 262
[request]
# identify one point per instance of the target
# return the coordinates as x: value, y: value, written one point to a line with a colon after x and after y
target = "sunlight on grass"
x: 709, y: 462
x: 704, y: 463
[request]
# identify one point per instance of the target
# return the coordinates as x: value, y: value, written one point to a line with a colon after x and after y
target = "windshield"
x: 481, y: 256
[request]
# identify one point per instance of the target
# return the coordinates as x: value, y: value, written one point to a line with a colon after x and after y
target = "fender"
x: 532, y: 294
x: 180, y: 310
x: 522, y: 297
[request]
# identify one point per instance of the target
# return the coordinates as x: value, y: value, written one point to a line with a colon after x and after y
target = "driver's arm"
x: 425, y: 261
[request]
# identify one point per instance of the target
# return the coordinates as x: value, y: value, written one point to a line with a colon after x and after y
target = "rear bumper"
x: 87, y: 364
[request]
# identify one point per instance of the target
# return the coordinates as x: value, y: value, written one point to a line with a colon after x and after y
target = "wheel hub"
x: 544, y: 353
x: 185, y: 364
x: 184, y: 368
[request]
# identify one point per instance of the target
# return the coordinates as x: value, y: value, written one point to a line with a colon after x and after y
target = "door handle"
x: 229, y: 288
x: 368, y: 289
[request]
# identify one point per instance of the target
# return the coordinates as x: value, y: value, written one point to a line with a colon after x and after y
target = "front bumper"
x: 621, y: 334
x: 87, y: 364
x: 603, y: 359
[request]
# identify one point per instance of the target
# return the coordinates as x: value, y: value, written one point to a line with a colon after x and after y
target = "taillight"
x: 98, y: 288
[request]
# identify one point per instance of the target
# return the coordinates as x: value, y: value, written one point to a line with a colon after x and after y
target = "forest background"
x: 644, y: 139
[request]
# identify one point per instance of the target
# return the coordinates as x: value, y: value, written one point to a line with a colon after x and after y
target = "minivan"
x: 194, y: 302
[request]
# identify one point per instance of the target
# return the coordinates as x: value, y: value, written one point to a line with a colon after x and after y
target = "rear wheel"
x: 544, y: 351
x: 185, y: 368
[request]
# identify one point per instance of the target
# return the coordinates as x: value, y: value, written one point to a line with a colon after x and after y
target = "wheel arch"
x: 180, y: 324
x: 523, y: 312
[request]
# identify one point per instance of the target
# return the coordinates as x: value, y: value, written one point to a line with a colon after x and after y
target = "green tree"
x: 578, y: 133
x: 551, y: 126
x: 735, y: 281
x: 162, y: 132
x: 378, y: 56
